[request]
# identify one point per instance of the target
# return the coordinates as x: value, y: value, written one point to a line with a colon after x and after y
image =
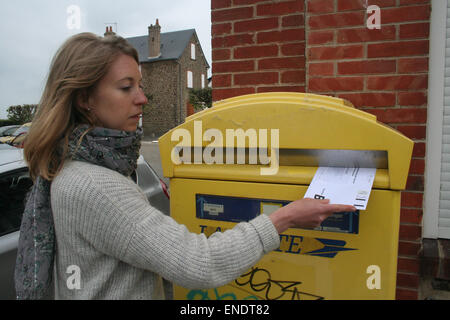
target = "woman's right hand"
x: 306, y: 213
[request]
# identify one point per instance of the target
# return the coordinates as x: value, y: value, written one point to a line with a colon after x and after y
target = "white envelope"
x: 350, y: 186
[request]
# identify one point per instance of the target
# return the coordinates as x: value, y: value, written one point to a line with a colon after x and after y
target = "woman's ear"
x: 82, y: 99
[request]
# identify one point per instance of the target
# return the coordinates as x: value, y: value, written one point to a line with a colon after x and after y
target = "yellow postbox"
x: 219, y: 176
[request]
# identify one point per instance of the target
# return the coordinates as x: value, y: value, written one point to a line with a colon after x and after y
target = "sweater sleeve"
x: 133, y: 231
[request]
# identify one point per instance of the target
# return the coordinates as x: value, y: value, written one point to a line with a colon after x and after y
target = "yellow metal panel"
x: 306, y: 123
x: 344, y: 276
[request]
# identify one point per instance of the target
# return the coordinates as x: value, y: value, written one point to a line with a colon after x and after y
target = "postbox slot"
x: 286, y: 157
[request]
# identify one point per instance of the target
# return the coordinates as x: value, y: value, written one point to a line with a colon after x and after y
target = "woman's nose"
x: 141, y: 98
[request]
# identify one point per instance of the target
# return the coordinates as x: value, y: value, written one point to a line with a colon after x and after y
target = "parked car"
x: 23, y: 129
x: 15, y: 182
x: 6, y: 131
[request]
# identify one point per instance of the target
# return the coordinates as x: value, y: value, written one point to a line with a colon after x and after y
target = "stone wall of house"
x: 166, y: 82
x: 160, y: 80
x: 197, y: 66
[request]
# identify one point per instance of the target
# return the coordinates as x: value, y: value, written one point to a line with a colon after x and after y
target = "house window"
x: 437, y: 185
x: 190, y: 79
x: 192, y: 51
x: 203, y: 81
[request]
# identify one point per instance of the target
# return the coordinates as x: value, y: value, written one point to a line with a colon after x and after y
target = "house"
x: 397, y: 72
x: 171, y: 64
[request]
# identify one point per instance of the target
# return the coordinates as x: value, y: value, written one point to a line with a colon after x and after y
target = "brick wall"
x: 258, y: 46
x: 324, y: 47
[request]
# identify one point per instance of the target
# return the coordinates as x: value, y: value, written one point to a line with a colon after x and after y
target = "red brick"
x: 293, y: 21
x: 320, y: 6
x: 221, y: 54
x: 412, y: 65
x: 366, y: 67
x: 293, y: 49
x: 220, y: 94
x: 412, y: 98
x: 417, y: 166
x: 232, y: 41
x: 297, y: 76
x: 281, y: 89
x: 415, y: 183
x: 280, y: 8
x: 219, y: 4
x: 407, y: 280
x: 344, y: 5
x: 366, y: 35
x: 405, y: 294
x: 255, y: 52
x: 336, y: 53
x: 410, y: 232
x: 404, y: 14
x: 255, y: 25
x: 408, y: 248
x: 255, y: 78
x: 369, y: 99
x: 414, y: 30
x: 406, y: 82
x: 231, y: 14
x: 282, y: 63
x: 414, y: 132
x: 244, y: 2
x: 336, y: 20
x: 221, y: 80
x: 413, y: 216
x: 335, y: 84
x: 408, y: 265
x: 233, y: 66
x: 281, y: 36
x: 320, y: 37
x: 418, y: 151
x: 415, y: 200
x: 397, y: 49
x: 321, y: 69
x: 221, y: 29
x: 394, y: 115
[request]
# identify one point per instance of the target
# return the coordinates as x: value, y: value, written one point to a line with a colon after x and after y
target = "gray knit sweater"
x: 122, y: 246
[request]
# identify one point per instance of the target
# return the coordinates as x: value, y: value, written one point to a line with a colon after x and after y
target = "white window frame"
x: 434, y: 119
x: 190, y: 79
x: 203, y: 81
x: 193, y: 51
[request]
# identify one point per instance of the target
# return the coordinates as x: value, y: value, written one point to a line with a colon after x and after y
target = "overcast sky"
x: 32, y: 31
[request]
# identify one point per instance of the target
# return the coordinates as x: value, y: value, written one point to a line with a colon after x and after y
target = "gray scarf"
x: 114, y: 149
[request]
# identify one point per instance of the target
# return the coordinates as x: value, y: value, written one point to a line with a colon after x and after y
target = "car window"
x: 13, y: 188
x: 10, y: 131
x: 22, y: 129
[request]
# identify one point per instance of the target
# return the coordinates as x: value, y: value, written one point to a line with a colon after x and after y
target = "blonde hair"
x: 77, y: 67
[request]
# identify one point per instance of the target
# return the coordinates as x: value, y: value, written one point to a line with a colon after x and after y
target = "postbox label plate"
x: 237, y: 209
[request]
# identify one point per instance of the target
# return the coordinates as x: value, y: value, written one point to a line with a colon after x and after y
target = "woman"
x: 84, y: 209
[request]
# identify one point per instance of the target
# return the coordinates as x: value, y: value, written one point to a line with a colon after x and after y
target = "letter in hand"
x: 306, y: 213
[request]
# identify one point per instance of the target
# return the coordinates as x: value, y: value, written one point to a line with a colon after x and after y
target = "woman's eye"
x: 126, y: 88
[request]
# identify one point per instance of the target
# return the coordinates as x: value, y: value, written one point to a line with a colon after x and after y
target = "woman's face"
x: 118, y: 98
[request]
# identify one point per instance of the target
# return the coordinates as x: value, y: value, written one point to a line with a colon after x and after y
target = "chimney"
x: 154, y: 40
x: 109, y: 32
